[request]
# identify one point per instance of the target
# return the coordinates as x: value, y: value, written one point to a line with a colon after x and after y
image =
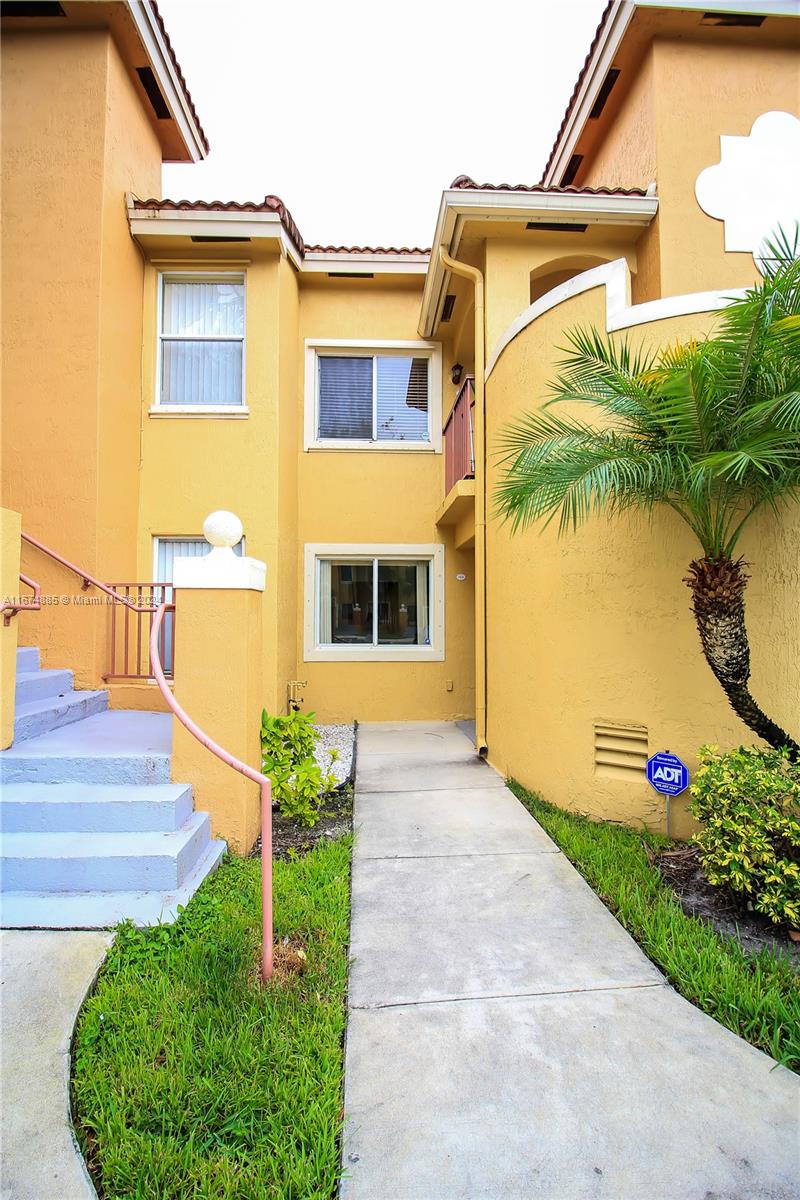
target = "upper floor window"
x: 201, y: 343
x: 384, y: 395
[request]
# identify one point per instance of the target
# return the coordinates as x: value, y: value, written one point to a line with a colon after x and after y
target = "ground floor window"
x: 381, y: 602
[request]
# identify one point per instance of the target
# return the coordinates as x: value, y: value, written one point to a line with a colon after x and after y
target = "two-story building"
x: 164, y: 359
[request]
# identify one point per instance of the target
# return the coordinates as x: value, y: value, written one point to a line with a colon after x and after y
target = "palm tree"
x: 710, y: 428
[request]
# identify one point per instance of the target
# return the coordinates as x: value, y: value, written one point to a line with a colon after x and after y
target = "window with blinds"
x: 202, y: 342
x: 373, y: 398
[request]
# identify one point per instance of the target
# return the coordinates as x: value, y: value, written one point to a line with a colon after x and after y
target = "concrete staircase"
x: 92, y: 831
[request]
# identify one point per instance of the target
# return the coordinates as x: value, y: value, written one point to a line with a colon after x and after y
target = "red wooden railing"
x: 129, y: 644
x: 459, y: 452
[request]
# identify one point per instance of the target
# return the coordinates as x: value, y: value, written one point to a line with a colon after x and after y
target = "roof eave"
x: 160, y: 60
x: 609, y: 38
x: 458, y: 206
x: 354, y: 263
x: 174, y: 222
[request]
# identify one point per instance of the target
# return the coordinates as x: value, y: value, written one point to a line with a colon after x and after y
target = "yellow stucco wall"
x: 194, y: 465
x: 597, y: 626
x: 220, y: 685
x: 287, y: 497
x: 704, y: 90
x: 74, y: 138
x: 9, y: 586
x: 375, y: 497
x: 509, y: 265
x: 626, y: 157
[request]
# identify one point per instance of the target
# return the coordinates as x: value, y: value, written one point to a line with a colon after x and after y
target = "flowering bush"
x: 748, y: 802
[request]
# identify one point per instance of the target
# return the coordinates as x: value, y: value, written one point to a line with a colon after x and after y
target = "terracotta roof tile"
x: 268, y: 204
x: 582, y: 74
x: 179, y: 73
x: 369, y: 249
x: 464, y: 182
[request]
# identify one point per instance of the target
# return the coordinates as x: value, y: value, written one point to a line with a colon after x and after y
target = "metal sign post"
x: 669, y: 776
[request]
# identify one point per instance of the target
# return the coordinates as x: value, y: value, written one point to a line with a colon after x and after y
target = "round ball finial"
x: 223, y: 528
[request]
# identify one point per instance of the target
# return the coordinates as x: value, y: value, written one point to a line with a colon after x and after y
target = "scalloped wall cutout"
x: 756, y: 184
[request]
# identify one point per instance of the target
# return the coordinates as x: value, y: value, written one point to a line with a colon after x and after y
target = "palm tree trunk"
x: 717, y: 586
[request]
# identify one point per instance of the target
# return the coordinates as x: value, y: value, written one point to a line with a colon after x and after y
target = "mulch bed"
x: 290, y: 840
x: 721, y: 908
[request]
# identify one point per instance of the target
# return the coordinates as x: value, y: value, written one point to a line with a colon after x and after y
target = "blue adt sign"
x: 667, y: 774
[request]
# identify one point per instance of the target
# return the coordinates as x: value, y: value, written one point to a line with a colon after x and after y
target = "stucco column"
x: 219, y: 677
x: 9, y: 587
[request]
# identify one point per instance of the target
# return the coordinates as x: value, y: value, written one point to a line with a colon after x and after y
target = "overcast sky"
x: 358, y: 113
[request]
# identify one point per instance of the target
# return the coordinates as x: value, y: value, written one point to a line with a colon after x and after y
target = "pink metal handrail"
x: 88, y: 580
x: 32, y: 605
x: 243, y: 769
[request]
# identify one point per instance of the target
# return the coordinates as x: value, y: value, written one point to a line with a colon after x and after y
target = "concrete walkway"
x: 45, y: 976
x: 507, y: 1039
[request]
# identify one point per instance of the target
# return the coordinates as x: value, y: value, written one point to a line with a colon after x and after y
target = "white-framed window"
x: 373, y: 395
x: 382, y: 603
x: 201, y: 345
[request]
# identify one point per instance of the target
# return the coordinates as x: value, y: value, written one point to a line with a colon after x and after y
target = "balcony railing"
x: 459, y: 451
x: 131, y: 624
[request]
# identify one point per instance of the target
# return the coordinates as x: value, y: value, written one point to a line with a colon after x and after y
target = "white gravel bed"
x: 338, y: 737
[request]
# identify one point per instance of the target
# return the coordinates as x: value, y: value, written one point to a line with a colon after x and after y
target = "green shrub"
x: 287, y: 756
x: 748, y: 801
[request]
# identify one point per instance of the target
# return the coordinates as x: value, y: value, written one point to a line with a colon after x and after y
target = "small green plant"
x: 748, y: 801
x: 299, y: 784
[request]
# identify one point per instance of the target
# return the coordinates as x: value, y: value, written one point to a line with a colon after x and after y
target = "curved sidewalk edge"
x: 46, y: 975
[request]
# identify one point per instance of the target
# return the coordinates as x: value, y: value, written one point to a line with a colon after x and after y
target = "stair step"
x: 94, y: 808
x: 116, y: 746
x: 103, y: 910
x: 37, y: 685
x: 101, y: 862
x: 27, y: 658
x: 39, y: 717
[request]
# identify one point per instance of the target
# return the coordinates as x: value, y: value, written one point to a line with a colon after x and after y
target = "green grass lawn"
x: 192, y: 1080
x: 757, y: 996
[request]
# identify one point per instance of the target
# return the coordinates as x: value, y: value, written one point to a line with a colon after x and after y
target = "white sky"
x: 358, y: 113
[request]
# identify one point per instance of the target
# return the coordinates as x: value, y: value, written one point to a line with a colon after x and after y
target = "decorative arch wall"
x: 549, y: 275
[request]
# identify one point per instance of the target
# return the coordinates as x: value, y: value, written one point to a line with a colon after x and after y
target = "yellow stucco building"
x: 164, y: 359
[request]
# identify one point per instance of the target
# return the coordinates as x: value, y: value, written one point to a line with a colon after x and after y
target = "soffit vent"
x: 558, y: 226
x: 31, y: 8
x: 159, y: 104
x: 216, y: 238
x: 732, y: 20
x: 573, y: 166
x: 620, y: 751
x: 448, y: 306
x: 350, y: 275
x: 605, y: 91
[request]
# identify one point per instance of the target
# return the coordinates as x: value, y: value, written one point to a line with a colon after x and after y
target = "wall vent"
x: 620, y: 751
x: 605, y: 91
x: 732, y: 20
x: 573, y: 166
x: 148, y: 82
x: 448, y: 306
